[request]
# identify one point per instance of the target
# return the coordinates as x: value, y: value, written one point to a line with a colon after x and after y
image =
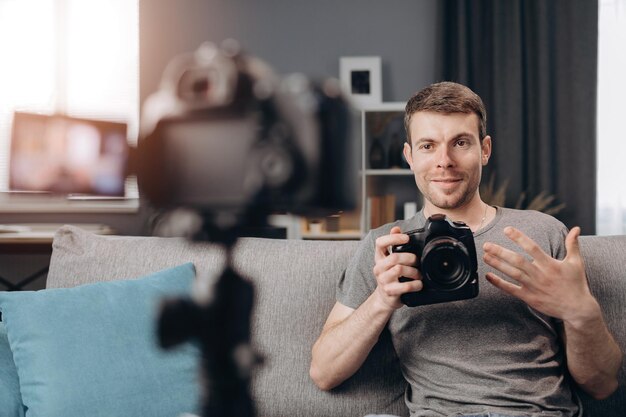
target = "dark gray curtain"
x: 534, y: 63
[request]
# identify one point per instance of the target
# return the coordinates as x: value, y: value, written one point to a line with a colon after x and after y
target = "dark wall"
x: 298, y: 36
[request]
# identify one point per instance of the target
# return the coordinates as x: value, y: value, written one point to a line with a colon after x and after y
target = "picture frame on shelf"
x: 361, y: 79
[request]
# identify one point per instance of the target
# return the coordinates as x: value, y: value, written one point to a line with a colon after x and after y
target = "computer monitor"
x: 67, y: 155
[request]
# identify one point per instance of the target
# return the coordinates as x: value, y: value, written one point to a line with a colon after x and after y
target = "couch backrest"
x: 295, y: 284
x: 295, y: 290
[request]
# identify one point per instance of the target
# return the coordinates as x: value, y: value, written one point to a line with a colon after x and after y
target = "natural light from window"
x: 75, y: 57
x: 611, y: 194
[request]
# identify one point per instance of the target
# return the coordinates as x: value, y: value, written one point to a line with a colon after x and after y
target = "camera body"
x: 446, y: 258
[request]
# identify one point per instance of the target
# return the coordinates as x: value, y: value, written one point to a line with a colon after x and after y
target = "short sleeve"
x: 358, y: 281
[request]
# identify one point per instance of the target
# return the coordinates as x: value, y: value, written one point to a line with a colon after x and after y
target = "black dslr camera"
x: 446, y: 257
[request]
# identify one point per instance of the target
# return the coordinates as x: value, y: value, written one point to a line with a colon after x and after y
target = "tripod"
x: 219, y: 319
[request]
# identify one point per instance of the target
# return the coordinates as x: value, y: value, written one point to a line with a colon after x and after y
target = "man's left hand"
x: 557, y: 288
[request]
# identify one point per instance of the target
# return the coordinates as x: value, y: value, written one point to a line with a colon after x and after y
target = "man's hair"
x: 446, y: 97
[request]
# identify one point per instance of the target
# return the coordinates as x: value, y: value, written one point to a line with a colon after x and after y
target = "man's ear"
x: 486, y: 149
x: 407, y: 154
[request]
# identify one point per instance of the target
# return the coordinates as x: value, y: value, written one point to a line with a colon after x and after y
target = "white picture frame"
x: 361, y: 79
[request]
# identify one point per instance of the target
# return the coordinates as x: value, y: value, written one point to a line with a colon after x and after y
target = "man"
x: 509, y: 351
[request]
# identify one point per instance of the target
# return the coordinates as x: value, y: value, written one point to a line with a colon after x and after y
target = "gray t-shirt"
x: 491, y: 353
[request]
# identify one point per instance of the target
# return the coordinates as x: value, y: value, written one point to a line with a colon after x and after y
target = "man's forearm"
x: 593, y: 357
x: 343, y: 347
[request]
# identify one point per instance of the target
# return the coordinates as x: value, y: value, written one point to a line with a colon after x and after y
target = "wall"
x: 298, y: 36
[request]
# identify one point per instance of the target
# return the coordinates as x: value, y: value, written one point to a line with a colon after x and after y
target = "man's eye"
x: 426, y: 146
x: 462, y: 143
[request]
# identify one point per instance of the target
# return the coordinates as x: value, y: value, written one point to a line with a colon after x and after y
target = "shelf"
x: 341, y: 235
x: 384, y: 191
x: 42, y: 233
x: 64, y: 205
x: 383, y: 122
x: 386, y: 106
x: 391, y: 172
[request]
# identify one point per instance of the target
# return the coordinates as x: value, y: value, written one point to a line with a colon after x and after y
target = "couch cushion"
x: 295, y: 285
x: 296, y: 282
x: 92, y: 350
x: 605, y: 263
x: 10, y: 398
x: 80, y: 257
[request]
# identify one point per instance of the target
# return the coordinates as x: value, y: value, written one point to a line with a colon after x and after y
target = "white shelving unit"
x: 388, y: 172
x: 384, y: 122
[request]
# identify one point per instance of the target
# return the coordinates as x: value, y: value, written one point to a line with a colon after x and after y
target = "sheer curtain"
x: 611, y: 154
x: 70, y: 56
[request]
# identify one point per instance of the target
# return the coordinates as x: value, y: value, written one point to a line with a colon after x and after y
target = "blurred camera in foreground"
x: 226, y: 139
x: 446, y: 258
x: 225, y: 134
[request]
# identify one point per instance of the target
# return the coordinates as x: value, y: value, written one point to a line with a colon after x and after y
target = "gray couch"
x: 295, y: 289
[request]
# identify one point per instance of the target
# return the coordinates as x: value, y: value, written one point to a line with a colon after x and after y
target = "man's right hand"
x: 389, y: 267
x: 349, y: 335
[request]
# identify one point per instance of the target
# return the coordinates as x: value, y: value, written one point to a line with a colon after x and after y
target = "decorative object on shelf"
x: 383, y: 123
x: 315, y: 227
x: 382, y: 210
x: 395, y: 159
x: 361, y: 79
x: 377, y: 155
x: 395, y: 137
x: 332, y: 223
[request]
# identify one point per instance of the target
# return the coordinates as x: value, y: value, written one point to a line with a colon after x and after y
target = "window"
x: 75, y: 57
x: 611, y: 197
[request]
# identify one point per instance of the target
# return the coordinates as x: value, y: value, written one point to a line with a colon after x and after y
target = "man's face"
x: 446, y: 157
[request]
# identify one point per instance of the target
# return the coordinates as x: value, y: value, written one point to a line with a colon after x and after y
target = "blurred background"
x: 551, y: 75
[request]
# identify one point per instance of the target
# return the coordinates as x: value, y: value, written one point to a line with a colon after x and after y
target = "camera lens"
x: 446, y: 263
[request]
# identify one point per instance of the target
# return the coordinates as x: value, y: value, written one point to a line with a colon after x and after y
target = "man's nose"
x: 444, y: 158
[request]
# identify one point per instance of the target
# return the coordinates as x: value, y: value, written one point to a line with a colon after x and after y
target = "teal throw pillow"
x: 10, y: 398
x: 92, y: 350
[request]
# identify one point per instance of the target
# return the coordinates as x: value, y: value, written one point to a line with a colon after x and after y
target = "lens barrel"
x: 446, y: 263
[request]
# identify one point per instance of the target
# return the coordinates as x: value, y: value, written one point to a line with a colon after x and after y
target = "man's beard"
x: 451, y: 201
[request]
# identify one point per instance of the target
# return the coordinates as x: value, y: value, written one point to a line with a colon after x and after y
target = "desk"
x: 34, y: 238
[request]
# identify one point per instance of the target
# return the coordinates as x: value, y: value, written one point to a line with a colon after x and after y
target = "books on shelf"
x: 381, y: 210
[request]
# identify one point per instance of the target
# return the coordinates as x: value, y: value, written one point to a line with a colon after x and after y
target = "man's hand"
x: 349, y: 335
x: 557, y: 288
x: 389, y: 267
